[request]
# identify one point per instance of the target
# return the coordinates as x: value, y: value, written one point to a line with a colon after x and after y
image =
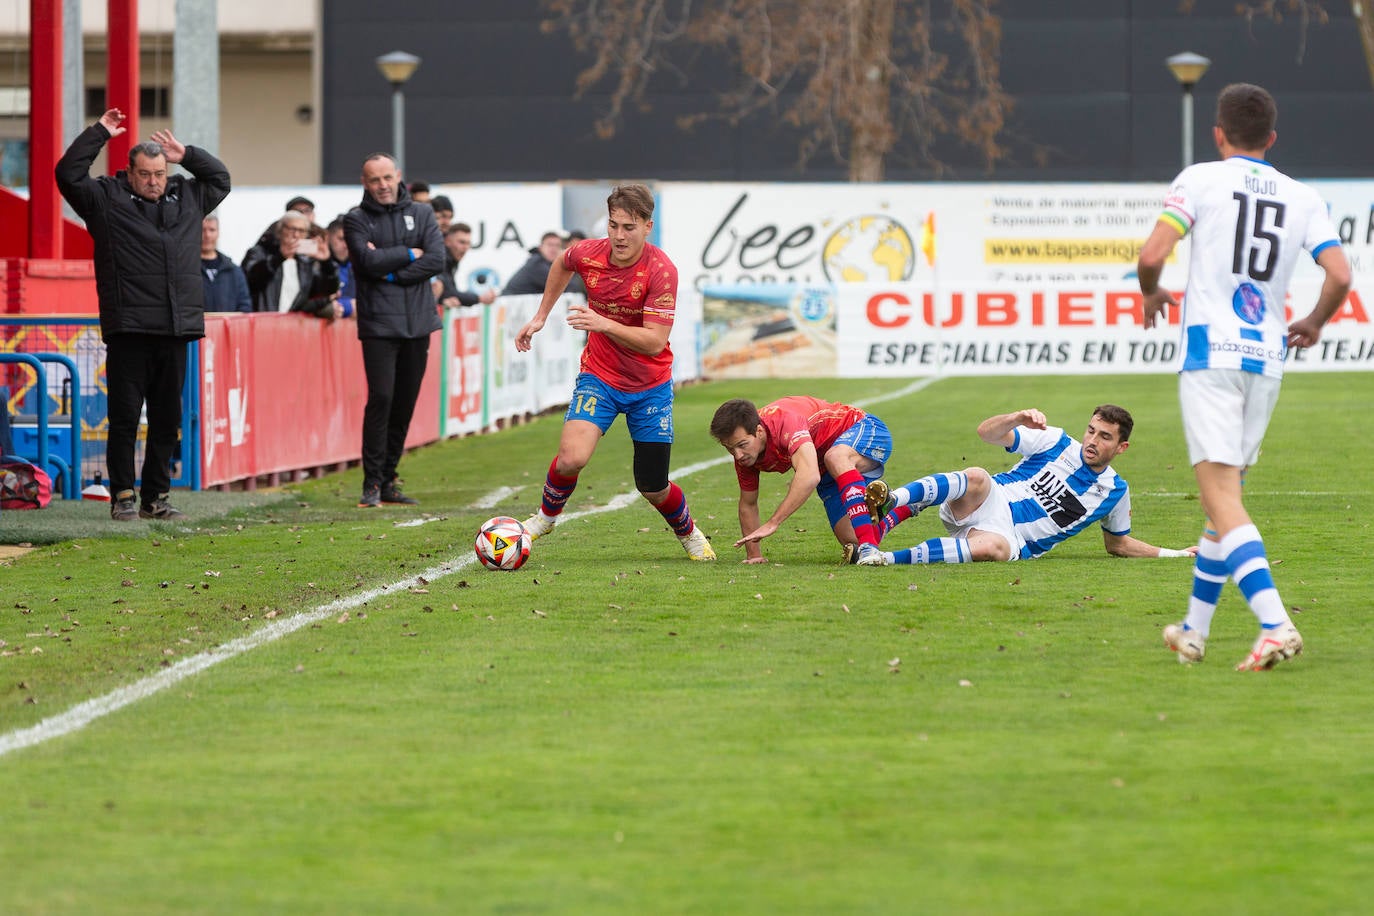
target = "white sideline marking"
x: 495, y: 497
x: 83, y: 714
x: 417, y: 522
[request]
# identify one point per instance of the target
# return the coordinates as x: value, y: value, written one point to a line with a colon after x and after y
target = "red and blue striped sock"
x: 674, y: 511
x: 557, y: 489
x: 851, y: 487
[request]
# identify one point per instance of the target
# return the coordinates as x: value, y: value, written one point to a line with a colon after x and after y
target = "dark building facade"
x: 493, y: 98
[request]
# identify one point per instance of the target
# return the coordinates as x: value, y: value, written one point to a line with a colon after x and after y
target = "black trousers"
x: 143, y: 368
x: 395, y: 366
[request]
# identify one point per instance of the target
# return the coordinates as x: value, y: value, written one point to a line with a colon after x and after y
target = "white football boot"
x: 696, y: 545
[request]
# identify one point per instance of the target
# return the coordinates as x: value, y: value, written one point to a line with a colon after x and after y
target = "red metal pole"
x: 121, y: 79
x: 45, y: 127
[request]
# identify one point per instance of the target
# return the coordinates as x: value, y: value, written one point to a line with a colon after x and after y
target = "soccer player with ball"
x: 1249, y: 223
x: 627, y: 365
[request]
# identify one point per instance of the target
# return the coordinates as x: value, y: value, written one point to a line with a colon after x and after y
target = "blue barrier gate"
x: 84, y: 359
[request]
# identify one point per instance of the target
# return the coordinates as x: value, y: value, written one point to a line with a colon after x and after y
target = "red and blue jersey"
x: 791, y: 422
x: 642, y: 294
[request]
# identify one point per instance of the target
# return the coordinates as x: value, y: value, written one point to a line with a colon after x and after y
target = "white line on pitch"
x: 495, y: 497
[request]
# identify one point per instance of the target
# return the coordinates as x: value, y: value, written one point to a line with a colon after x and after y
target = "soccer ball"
x: 503, y: 543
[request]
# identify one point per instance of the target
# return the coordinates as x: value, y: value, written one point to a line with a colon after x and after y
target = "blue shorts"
x: 869, y: 437
x: 648, y: 414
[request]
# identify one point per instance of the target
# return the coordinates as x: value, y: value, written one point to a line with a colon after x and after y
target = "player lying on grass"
x: 1058, y: 488
x: 829, y: 448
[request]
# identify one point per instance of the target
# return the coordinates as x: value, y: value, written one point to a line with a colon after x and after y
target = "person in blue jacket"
x: 226, y: 288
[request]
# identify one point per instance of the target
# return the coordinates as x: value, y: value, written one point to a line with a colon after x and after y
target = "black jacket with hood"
x: 319, y: 280
x: 147, y: 254
x: 394, y: 297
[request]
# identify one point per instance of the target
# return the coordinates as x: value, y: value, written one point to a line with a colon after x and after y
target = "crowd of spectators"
x: 296, y: 265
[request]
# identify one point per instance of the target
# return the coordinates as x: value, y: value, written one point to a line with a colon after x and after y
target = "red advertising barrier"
x: 286, y: 392
x: 463, y: 380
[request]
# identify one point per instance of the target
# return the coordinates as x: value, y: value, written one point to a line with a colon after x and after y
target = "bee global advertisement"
x: 831, y: 234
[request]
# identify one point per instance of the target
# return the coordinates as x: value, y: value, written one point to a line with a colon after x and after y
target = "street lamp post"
x: 397, y: 67
x: 1187, y: 68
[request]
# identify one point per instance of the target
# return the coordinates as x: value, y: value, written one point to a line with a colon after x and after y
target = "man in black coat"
x: 395, y: 249
x: 534, y: 273
x: 146, y: 226
x: 295, y: 273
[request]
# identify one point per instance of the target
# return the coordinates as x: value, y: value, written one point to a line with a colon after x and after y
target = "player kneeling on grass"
x: 626, y: 367
x: 829, y: 448
x: 1058, y: 488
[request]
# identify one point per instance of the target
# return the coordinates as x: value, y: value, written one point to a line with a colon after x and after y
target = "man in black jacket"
x: 534, y: 273
x: 146, y: 227
x: 395, y: 249
x: 295, y: 273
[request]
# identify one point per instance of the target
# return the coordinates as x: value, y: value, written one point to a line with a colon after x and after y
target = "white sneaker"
x: 1190, y: 645
x: 696, y: 545
x: 539, y: 525
x: 1273, y: 646
x: 872, y: 555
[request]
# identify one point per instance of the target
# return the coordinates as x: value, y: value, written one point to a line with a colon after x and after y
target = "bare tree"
x: 864, y: 79
x: 1309, y: 12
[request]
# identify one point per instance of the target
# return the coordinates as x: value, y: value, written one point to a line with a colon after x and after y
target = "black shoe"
x: 391, y: 493
x: 161, y: 510
x: 124, y: 508
x: 372, y: 497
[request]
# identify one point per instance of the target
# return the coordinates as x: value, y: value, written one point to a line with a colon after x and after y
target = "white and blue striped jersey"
x: 1054, y: 495
x: 1249, y: 222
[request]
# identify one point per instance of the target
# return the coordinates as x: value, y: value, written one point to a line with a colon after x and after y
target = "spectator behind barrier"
x: 226, y: 288
x: 531, y: 276
x: 305, y: 205
x: 443, y: 212
x: 457, y: 241
x: 310, y: 287
x: 338, y: 252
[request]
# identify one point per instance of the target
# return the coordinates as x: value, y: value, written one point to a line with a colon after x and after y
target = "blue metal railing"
x: 189, y: 474
x: 69, y: 470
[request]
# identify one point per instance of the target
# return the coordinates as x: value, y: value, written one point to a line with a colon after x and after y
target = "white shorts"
x: 1225, y: 414
x: 994, y: 515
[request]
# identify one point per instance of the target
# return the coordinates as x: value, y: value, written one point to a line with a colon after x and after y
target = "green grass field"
x: 614, y: 729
